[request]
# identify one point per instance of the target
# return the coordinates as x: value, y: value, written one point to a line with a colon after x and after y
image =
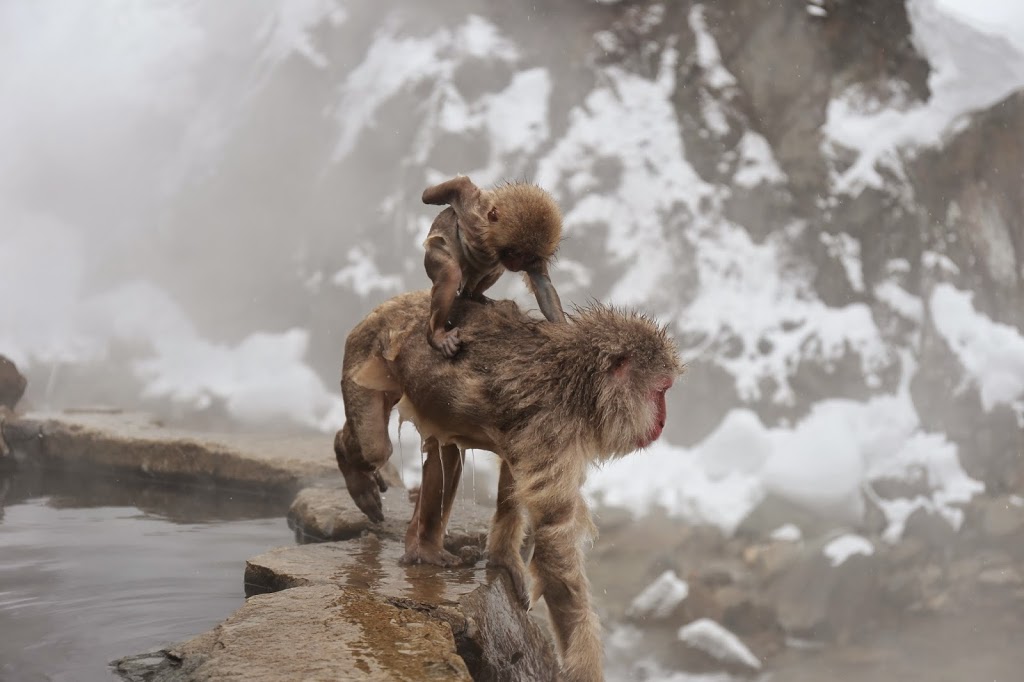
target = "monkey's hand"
x: 365, y: 488
x: 448, y: 342
x: 516, y: 571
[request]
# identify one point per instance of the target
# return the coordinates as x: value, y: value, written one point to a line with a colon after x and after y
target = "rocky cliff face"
x: 822, y: 200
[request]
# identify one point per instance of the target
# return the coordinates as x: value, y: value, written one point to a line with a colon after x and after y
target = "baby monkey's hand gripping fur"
x: 514, y: 227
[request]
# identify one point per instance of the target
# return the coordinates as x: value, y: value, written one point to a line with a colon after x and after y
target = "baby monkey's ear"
x: 459, y: 192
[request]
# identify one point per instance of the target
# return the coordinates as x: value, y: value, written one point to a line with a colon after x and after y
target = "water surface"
x: 95, y: 568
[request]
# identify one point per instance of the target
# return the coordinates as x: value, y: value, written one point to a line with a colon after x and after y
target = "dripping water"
x: 474, y: 474
x: 401, y: 453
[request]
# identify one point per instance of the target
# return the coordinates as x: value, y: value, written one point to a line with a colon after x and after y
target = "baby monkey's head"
x: 519, y: 223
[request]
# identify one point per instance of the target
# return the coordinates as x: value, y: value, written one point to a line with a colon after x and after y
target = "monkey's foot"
x: 515, y: 571
x: 426, y: 554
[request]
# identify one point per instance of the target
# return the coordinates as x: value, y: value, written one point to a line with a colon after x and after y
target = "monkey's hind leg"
x: 505, y: 538
x: 424, y: 539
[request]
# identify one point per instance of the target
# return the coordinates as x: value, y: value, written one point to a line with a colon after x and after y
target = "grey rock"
x: 817, y: 600
x: 136, y: 443
x: 320, y: 514
x: 1002, y: 517
x: 1006, y: 576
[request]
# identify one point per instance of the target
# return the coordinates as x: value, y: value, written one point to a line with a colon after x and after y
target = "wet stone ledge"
x: 348, y: 610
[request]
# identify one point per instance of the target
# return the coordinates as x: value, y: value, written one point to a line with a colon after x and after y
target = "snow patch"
x: 846, y: 250
x: 656, y: 179
x: 787, y: 532
x: 900, y: 301
x: 362, y: 276
x: 972, y: 68
x: 711, y: 638
x: 759, y: 316
x: 395, y: 63
x: 708, y: 56
x: 757, y: 164
x: 660, y: 598
x: 991, y: 353
x: 845, y: 546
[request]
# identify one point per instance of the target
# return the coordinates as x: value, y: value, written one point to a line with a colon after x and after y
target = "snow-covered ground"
x: 120, y: 108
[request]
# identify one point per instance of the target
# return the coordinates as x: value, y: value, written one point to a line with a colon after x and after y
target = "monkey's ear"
x: 457, y: 192
x: 620, y: 365
x: 375, y: 375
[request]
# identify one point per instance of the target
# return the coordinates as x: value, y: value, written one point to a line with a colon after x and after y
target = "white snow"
x: 655, y: 182
x: 992, y: 353
x: 823, y: 462
x: 900, y: 301
x: 757, y: 164
x: 710, y: 637
x: 787, y: 532
x: 660, y: 598
x: 760, y: 316
x: 395, y: 63
x: 708, y: 56
x: 974, y: 64
x: 845, y: 546
x: 846, y: 249
x: 363, y: 277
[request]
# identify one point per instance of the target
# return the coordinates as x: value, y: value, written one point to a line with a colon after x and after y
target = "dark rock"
x: 12, y: 384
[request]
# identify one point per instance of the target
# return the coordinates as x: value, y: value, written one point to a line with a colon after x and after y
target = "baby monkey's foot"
x: 447, y: 342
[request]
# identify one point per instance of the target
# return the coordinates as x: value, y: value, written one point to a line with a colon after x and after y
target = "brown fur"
x: 548, y: 399
x: 515, y: 227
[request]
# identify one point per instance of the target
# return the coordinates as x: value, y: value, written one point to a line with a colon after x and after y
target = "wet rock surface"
x: 138, y: 444
x: 324, y: 632
x: 320, y: 514
x: 347, y: 610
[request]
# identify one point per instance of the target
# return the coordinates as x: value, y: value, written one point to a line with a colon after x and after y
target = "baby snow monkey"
x: 514, y: 227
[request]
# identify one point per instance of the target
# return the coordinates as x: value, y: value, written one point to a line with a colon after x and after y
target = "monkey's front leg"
x: 424, y: 539
x: 561, y: 522
x: 505, y: 538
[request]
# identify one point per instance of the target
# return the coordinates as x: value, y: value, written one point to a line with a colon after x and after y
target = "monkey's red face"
x: 658, y: 412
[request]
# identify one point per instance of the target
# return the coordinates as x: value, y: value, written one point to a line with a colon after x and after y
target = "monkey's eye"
x: 492, y: 215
